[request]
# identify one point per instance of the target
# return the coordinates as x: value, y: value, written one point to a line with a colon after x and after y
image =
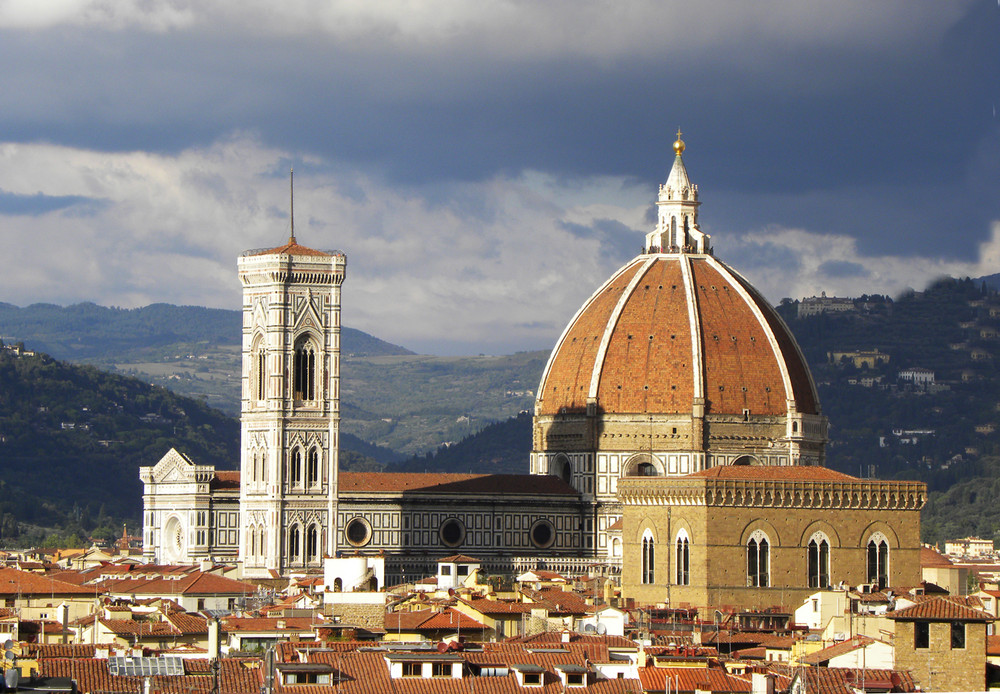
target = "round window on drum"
x: 358, y: 532
x: 452, y: 532
x: 542, y: 534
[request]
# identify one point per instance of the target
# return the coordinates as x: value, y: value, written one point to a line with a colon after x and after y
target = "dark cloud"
x: 39, y: 204
x: 618, y: 241
x: 843, y: 268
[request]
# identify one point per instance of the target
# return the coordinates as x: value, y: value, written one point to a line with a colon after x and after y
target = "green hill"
x: 73, y: 437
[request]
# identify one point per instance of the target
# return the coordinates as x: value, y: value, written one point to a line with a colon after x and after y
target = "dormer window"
x: 529, y: 674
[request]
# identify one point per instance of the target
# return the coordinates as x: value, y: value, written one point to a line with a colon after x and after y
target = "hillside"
x: 90, y: 332
x: 404, y: 403
x: 73, y: 437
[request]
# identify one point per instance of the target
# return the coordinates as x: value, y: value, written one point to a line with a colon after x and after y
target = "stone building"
x: 758, y: 537
x: 677, y: 437
x: 675, y: 365
x: 943, y: 643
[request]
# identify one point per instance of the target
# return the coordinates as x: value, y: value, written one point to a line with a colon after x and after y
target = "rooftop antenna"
x: 291, y: 203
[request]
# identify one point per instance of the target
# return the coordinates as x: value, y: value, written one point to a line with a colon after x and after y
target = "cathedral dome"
x: 677, y: 332
x: 672, y: 329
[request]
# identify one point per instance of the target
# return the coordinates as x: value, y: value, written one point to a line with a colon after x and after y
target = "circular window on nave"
x: 358, y: 532
x: 452, y: 532
x: 542, y: 534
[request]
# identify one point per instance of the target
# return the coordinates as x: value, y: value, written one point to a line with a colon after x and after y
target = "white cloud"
x: 809, y: 256
x: 490, y: 266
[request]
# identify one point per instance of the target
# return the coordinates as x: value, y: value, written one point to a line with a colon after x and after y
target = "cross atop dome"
x: 677, y: 212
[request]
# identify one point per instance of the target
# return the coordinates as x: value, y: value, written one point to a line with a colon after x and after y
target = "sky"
x: 487, y: 165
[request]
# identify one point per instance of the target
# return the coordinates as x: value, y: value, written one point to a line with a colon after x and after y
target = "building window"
x: 648, y: 558
x: 542, y: 534
x: 312, y: 544
x: 452, y: 532
x: 413, y: 669
x: 957, y: 635
x: 304, y: 371
x: 294, y: 542
x: 758, y: 560
x: 683, y: 560
x: 312, y: 468
x: 921, y: 634
x: 260, y: 373
x: 878, y: 560
x: 295, y: 468
x: 819, y: 561
x: 441, y: 669
x: 358, y: 532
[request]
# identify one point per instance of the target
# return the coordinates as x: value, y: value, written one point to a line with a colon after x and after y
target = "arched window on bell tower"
x: 258, y: 359
x: 295, y: 468
x: 304, y: 370
x: 312, y: 468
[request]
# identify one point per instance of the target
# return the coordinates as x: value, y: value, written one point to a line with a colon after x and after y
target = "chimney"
x: 213, y: 639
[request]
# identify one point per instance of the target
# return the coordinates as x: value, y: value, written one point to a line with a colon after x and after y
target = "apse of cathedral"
x: 678, y: 443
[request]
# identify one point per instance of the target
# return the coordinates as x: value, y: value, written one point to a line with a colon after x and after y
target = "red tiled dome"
x: 667, y: 329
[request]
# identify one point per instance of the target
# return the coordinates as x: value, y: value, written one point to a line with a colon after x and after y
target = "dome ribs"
x: 742, y: 371
x: 803, y: 388
x: 565, y: 384
x: 646, y: 365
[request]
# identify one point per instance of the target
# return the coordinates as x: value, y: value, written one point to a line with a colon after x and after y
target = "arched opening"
x: 616, y: 547
x: 295, y: 468
x: 642, y: 465
x: 648, y: 558
x: 338, y: 585
x: 682, y: 560
x: 312, y: 468
x: 258, y: 366
x: 818, y: 552
x: 746, y: 460
x: 563, y: 469
x: 312, y: 544
x: 295, y: 543
x: 304, y: 370
x: 758, y: 560
x: 878, y: 560
x: 252, y: 549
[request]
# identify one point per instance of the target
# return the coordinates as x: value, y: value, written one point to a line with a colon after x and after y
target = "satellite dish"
x: 442, y: 647
x: 9, y: 654
x: 8, y: 644
x: 602, y: 629
x: 12, y: 677
x: 589, y: 629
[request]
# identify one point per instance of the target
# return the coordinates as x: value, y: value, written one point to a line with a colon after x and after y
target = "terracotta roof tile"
x: 293, y: 248
x: 822, y: 680
x: 931, y: 558
x: 941, y: 608
x: 25, y: 583
x: 689, y: 679
x: 837, y: 649
x: 453, y: 483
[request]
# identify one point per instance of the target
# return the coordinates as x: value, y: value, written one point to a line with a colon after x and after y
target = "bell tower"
x: 290, y: 407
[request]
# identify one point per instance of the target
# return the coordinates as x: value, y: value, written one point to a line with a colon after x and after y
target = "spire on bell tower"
x: 677, y: 212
